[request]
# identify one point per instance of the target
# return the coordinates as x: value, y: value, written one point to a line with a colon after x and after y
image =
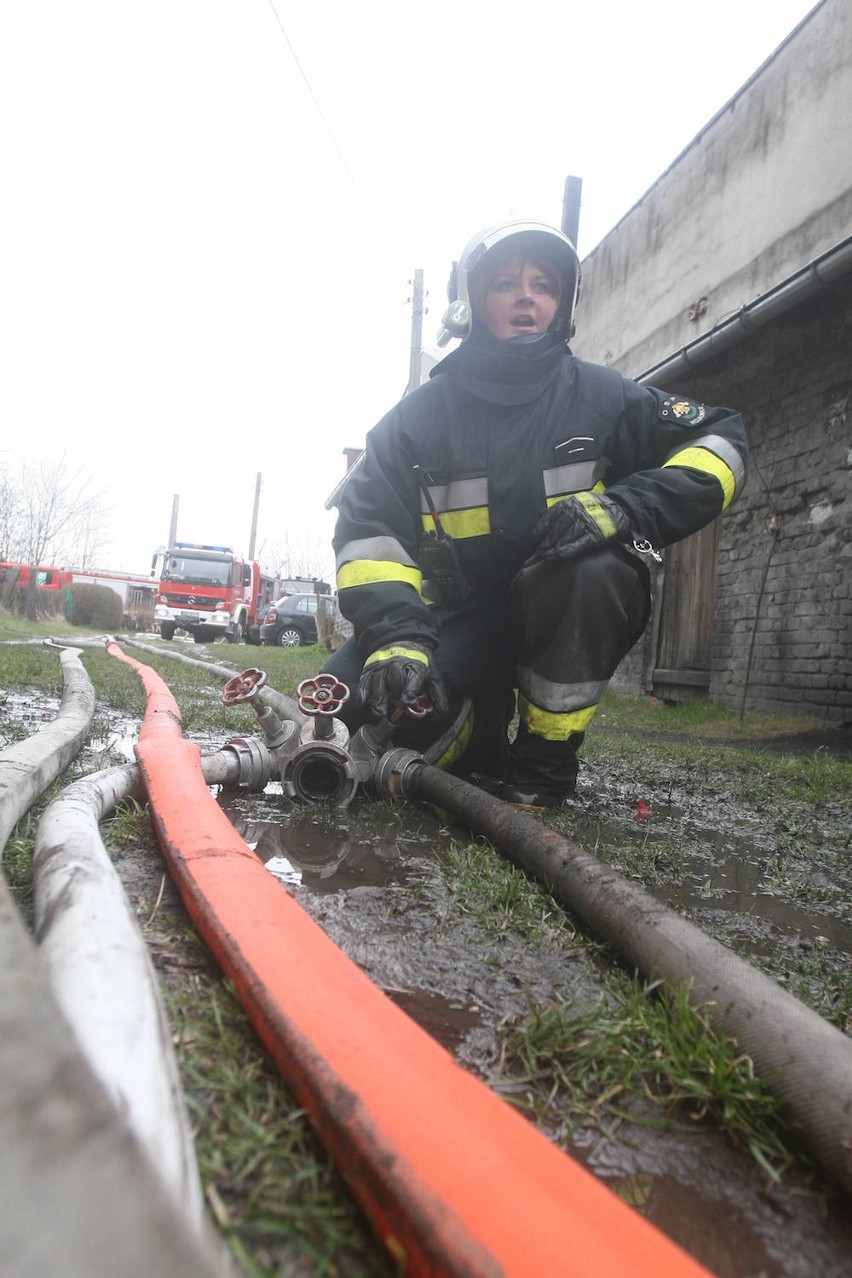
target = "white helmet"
x: 458, y: 318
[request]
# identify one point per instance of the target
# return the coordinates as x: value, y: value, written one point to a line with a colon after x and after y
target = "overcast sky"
x: 212, y: 208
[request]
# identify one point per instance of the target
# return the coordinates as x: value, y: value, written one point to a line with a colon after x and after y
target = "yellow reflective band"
x: 462, y: 523
x: 553, y: 727
x: 388, y: 654
x: 592, y: 507
x: 710, y: 464
x: 367, y: 572
x: 457, y: 746
x: 599, y: 487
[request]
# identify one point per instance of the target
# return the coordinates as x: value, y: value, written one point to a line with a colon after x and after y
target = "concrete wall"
x: 764, y: 188
x: 783, y: 625
x: 784, y: 570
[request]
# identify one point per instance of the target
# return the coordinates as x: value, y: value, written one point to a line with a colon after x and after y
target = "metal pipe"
x: 814, y: 278
x: 803, y: 1059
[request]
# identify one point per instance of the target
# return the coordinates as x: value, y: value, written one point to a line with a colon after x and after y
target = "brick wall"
x: 784, y: 611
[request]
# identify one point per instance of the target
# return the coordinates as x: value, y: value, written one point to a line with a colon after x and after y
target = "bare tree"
x: 307, y: 555
x: 58, y: 518
x: 8, y: 519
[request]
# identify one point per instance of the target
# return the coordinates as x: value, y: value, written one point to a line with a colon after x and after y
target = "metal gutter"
x: 819, y: 274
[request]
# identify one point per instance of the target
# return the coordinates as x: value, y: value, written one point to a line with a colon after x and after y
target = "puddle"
x: 22, y: 714
x: 117, y: 745
x: 299, y: 851
x: 368, y: 878
x: 727, y: 872
x: 447, y: 1022
x: 695, y: 1192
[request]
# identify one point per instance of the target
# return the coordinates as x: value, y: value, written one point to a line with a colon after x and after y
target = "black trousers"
x: 567, y: 625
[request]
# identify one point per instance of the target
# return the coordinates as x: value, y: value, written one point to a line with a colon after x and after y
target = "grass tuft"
x: 642, y: 1040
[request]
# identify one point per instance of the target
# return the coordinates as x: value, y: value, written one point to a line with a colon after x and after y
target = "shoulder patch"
x: 685, y: 411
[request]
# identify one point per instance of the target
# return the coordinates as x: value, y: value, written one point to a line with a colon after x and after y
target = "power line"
x: 314, y: 98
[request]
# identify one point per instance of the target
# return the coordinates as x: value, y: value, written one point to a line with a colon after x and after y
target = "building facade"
x: 731, y: 282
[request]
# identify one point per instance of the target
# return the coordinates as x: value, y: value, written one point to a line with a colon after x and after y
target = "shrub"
x: 95, y: 606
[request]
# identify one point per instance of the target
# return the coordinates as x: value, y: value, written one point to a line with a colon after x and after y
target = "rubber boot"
x: 542, y: 774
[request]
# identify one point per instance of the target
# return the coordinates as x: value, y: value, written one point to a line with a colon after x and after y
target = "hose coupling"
x: 394, y: 770
x: 254, y: 762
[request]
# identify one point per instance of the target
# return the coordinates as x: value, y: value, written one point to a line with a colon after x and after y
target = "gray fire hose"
x: 804, y: 1060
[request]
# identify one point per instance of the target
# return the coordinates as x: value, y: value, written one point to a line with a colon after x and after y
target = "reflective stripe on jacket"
x: 492, y: 469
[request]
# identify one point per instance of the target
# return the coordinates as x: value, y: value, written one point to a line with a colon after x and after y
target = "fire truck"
x: 210, y: 592
x: 47, y: 578
x: 135, y: 592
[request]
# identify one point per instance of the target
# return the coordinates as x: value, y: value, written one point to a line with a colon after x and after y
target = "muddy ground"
x: 770, y: 879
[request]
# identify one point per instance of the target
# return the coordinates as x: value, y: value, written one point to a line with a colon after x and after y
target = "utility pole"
x: 253, y: 536
x: 173, y: 525
x: 571, y: 208
x: 416, y: 332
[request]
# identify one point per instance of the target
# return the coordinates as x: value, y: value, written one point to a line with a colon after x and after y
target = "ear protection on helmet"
x: 458, y: 318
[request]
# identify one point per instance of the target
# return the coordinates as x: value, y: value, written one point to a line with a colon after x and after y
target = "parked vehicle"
x: 290, y: 621
x: 17, y: 576
x: 135, y: 591
x: 304, y: 585
x: 210, y: 592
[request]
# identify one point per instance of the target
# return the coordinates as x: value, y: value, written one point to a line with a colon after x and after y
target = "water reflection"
x: 298, y: 850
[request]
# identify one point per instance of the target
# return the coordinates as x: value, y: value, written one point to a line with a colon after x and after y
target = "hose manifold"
x: 320, y: 772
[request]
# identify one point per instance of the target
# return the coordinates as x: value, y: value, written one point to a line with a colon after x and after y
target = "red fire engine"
x: 135, y: 592
x: 210, y: 592
x: 18, y: 576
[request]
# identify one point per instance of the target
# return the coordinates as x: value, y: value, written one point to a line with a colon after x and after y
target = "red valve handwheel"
x: 243, y: 687
x: 322, y: 695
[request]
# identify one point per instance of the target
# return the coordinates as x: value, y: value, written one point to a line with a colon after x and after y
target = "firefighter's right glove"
x: 577, y: 525
x: 394, y: 678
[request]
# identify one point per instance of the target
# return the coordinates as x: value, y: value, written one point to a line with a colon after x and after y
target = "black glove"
x: 397, y: 676
x: 577, y: 525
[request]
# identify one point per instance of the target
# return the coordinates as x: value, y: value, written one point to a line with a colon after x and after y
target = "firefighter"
x: 491, y: 544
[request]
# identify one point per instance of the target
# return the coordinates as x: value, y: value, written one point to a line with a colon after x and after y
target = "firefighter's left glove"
x: 577, y: 525
x: 396, y: 676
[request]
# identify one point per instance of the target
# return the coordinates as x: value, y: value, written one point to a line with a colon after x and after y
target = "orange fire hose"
x: 454, y: 1180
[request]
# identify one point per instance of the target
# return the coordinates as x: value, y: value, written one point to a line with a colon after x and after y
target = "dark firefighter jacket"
x: 496, y: 437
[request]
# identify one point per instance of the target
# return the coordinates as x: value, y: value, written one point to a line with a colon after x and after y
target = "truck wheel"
x: 238, y: 634
x: 197, y: 637
x: 167, y: 630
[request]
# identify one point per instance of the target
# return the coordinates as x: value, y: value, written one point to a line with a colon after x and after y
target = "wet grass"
x: 643, y: 1055
x: 273, y: 1191
x: 500, y: 898
x: 640, y: 1054
x: 699, y: 718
